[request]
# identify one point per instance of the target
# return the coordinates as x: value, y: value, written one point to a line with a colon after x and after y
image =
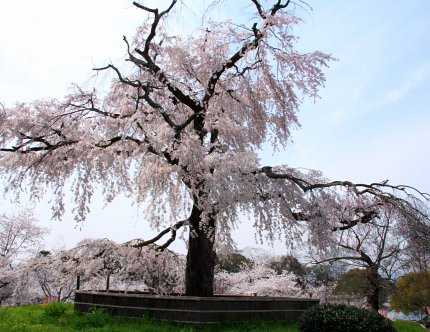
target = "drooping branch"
x: 363, y: 215
x: 23, y: 149
x: 139, y: 243
x: 26, y: 147
x: 377, y: 189
x: 358, y: 188
x: 336, y: 259
x: 366, y: 217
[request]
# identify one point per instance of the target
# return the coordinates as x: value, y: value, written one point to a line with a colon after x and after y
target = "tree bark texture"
x: 199, y: 273
x: 374, y: 288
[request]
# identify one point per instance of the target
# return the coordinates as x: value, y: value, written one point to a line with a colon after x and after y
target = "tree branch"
x: 374, y: 189
x: 278, y: 6
x: 135, y: 83
x: 139, y: 243
x: 150, y: 64
x: 246, y: 47
x: 259, y: 9
x: 335, y: 259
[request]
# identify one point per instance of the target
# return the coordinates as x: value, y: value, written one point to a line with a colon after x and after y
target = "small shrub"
x: 341, y: 318
x: 55, y: 309
x: 94, y: 319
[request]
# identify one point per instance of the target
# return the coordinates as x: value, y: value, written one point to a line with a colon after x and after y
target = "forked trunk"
x: 199, y: 273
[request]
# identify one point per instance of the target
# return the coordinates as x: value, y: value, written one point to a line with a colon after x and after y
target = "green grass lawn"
x: 62, y: 318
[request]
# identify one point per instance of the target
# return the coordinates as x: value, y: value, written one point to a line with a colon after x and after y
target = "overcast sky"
x: 371, y: 123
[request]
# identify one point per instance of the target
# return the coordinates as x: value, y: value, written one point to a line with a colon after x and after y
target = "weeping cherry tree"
x: 180, y: 132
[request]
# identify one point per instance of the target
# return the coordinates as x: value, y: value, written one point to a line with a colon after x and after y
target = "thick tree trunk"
x: 199, y: 273
x: 374, y: 288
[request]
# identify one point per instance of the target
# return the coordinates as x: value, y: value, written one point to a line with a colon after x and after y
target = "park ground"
x: 62, y: 318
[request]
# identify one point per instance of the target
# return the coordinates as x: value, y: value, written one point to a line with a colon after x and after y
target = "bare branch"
x: 241, y: 53
x: 19, y: 148
x: 149, y: 62
x: 278, y: 6
x: 335, y: 259
x: 347, y: 224
x: 139, y: 243
x: 259, y: 8
x: 151, y: 10
x: 157, y: 17
x: 231, y: 62
x: 146, y: 96
x: 134, y: 83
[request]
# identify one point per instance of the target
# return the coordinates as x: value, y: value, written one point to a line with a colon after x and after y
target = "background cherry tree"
x: 20, y: 236
x: 180, y: 131
x: 52, y: 275
x: 261, y: 280
x: 377, y: 246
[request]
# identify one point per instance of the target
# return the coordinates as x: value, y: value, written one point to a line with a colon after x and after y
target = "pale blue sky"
x: 373, y: 120
x: 371, y: 123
